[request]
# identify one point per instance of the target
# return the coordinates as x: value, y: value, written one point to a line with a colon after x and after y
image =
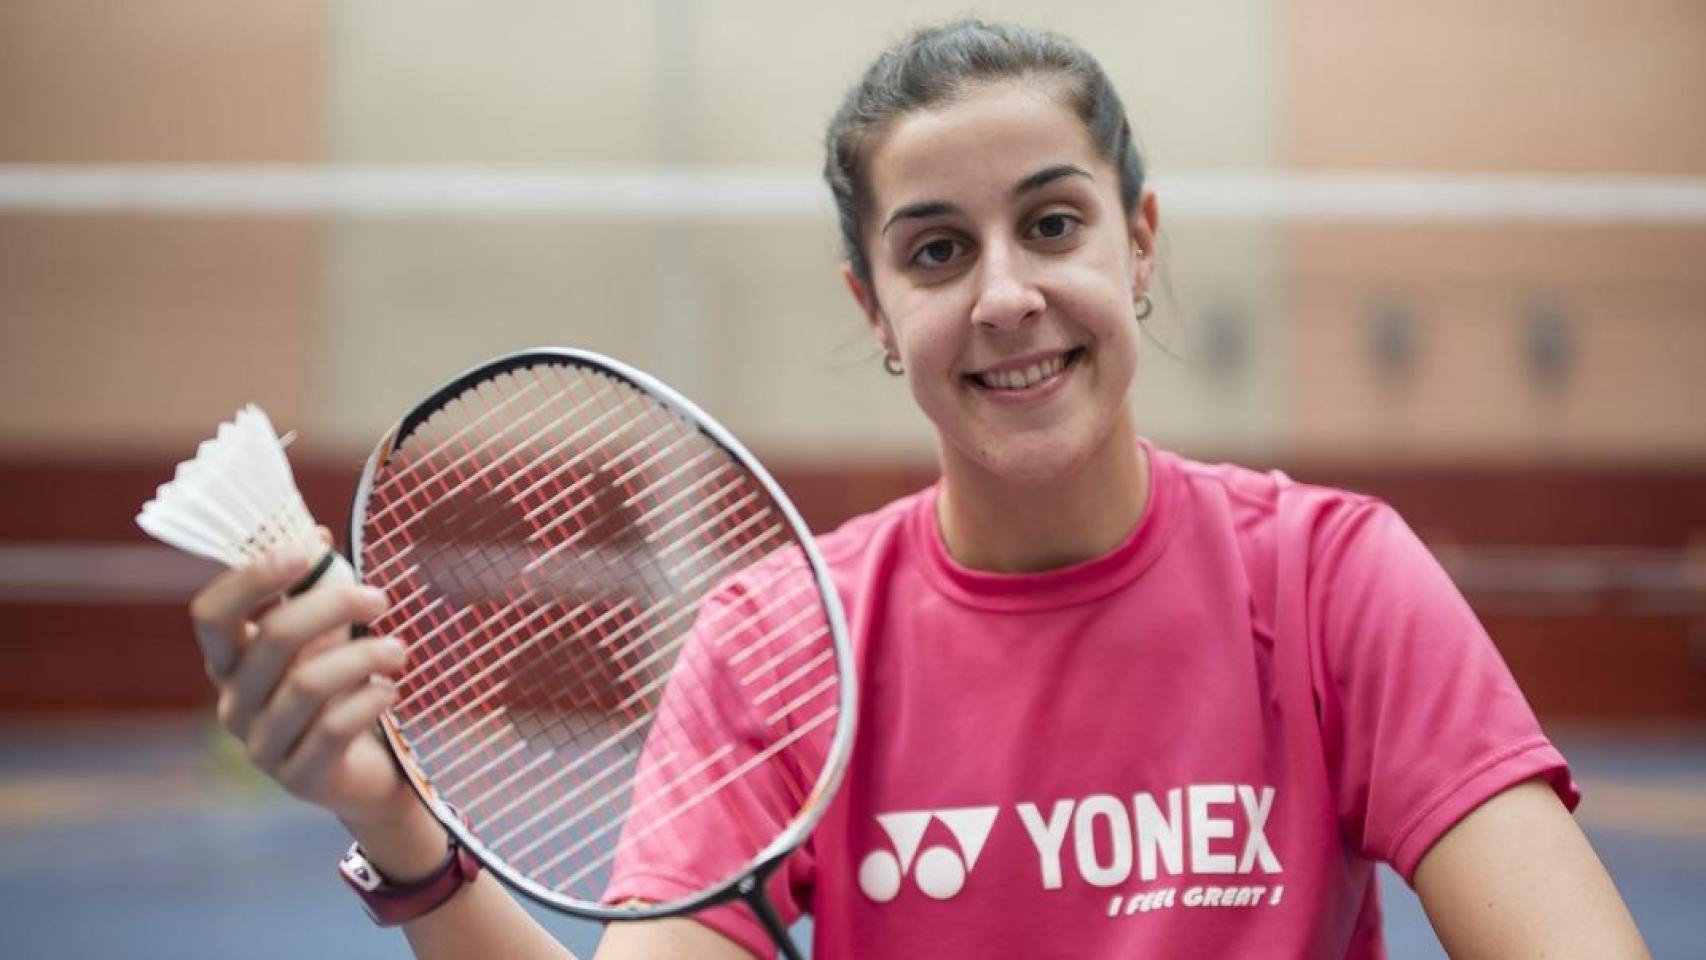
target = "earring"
x: 891, y: 363
x: 1145, y: 307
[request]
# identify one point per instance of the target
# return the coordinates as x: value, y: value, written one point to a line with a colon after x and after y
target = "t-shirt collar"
x: 1078, y: 583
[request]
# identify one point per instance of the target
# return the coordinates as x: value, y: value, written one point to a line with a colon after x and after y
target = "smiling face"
x: 1004, y: 270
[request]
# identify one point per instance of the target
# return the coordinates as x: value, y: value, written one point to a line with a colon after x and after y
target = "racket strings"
x: 397, y: 477
x: 512, y: 597
x: 727, y: 527
x: 552, y: 575
x: 459, y: 466
x: 712, y: 756
x: 568, y: 798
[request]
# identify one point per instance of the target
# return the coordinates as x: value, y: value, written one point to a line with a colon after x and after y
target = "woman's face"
x: 1005, y: 270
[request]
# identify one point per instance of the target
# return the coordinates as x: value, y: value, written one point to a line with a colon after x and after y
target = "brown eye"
x: 935, y: 253
x: 1054, y: 226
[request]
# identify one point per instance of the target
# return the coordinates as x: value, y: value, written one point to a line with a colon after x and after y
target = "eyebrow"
x: 1048, y: 175
x: 1036, y: 181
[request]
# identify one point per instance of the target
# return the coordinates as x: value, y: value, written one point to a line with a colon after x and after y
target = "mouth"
x: 1031, y: 376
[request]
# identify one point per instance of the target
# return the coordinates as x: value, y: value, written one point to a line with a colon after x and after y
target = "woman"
x: 1116, y: 703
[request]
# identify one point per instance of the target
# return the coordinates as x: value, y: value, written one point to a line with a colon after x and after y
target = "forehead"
x: 988, y: 139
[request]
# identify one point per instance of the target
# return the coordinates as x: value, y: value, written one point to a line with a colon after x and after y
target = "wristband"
x: 390, y: 905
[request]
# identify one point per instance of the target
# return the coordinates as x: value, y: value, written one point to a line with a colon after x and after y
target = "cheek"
x: 925, y: 332
x: 1099, y: 299
x: 924, y: 346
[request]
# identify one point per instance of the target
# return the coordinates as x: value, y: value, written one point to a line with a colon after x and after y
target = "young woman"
x: 1115, y: 703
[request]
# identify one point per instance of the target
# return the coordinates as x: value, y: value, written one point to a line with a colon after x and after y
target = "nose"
x: 1007, y: 296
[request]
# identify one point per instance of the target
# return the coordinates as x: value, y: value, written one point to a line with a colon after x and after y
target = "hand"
x: 296, y: 691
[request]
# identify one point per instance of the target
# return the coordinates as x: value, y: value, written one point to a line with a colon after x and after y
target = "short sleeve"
x: 1421, y: 719
x: 714, y: 784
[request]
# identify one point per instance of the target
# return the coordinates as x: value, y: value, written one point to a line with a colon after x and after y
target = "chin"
x: 1048, y: 460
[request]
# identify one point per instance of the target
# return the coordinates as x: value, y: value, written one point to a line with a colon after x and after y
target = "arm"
x: 677, y: 938
x: 297, y: 693
x: 1439, y: 764
x: 483, y: 920
x: 1516, y: 878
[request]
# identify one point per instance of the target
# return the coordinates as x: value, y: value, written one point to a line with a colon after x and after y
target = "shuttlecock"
x: 235, y: 499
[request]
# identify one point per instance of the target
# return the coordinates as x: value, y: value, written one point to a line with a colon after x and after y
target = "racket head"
x: 426, y: 608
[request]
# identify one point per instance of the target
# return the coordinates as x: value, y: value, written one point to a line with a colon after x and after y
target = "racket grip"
x: 331, y: 568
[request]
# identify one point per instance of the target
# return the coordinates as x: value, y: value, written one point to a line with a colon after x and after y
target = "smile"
x: 1027, y: 377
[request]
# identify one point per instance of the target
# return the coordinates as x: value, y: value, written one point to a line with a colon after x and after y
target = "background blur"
x: 1453, y: 255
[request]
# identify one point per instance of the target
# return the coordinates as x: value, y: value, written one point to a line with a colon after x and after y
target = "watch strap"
x: 390, y: 905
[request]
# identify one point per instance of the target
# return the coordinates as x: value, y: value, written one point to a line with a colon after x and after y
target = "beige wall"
x: 121, y: 332
x: 530, y: 81
x: 1525, y: 87
x: 750, y: 319
x: 1631, y: 296
x: 1213, y: 369
x: 411, y: 303
x: 165, y: 80
x: 144, y: 329
x: 749, y: 81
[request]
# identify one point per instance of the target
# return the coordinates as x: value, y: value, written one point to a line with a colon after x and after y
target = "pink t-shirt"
x: 1198, y: 744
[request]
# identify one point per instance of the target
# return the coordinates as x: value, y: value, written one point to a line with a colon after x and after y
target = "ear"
x: 866, y: 298
x: 1143, y: 225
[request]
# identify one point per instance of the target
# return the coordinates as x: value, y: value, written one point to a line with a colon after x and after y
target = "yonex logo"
x: 939, y: 871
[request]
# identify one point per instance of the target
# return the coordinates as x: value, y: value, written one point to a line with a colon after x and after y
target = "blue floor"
x: 147, y: 839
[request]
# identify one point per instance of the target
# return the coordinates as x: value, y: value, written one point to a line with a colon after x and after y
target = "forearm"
x: 481, y: 919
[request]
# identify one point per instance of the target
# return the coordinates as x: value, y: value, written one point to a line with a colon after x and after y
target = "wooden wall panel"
x: 166, y: 80
x: 1523, y: 85
x: 129, y: 333
x: 1628, y: 300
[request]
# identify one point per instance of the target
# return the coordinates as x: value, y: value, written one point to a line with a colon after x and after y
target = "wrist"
x: 404, y: 843
x: 391, y: 902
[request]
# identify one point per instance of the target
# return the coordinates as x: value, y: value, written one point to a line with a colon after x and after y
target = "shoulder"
x: 764, y: 590
x: 1268, y: 508
x: 1318, y: 560
x: 848, y: 546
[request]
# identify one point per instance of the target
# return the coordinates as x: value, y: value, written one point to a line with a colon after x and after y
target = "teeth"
x: 1022, y: 379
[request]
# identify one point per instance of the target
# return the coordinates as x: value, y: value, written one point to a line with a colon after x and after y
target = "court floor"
x: 148, y: 838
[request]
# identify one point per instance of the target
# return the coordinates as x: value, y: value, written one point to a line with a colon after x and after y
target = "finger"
x: 304, y: 771
x: 307, y: 689
x: 221, y: 609
x: 281, y: 635
x: 325, y: 533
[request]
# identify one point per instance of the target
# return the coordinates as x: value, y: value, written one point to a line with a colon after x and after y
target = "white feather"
x: 234, y: 499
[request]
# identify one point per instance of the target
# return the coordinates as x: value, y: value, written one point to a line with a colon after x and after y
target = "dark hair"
x: 936, y: 65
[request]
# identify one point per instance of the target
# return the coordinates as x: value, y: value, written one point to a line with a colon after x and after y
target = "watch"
x: 389, y: 904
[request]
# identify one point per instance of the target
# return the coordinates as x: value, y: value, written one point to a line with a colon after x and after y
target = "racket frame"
x: 746, y: 885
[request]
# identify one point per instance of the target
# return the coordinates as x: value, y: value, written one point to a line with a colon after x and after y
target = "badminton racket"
x: 630, y: 693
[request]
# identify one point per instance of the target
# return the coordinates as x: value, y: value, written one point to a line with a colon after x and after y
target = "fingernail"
x: 394, y: 649
x: 373, y: 594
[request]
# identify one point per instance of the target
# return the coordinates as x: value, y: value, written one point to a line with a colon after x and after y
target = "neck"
x: 1006, y: 527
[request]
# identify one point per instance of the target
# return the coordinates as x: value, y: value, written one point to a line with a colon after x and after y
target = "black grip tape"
x: 307, y: 583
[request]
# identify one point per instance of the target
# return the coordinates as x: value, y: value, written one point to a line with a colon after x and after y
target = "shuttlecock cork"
x: 236, y: 499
